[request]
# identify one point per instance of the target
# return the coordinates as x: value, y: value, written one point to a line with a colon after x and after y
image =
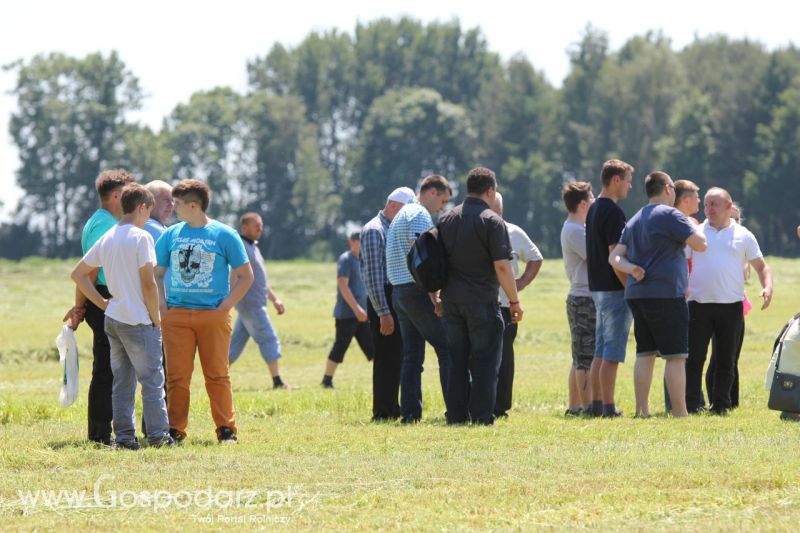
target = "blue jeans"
x: 254, y: 322
x: 613, y: 325
x: 475, y: 335
x: 418, y: 323
x: 136, y: 355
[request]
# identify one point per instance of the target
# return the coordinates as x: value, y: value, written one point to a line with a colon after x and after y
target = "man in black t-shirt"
x: 478, y: 253
x: 604, y: 223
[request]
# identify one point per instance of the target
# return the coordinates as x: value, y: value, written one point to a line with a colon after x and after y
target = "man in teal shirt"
x: 109, y: 186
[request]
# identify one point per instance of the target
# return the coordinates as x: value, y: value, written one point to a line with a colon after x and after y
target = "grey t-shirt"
x: 256, y: 296
x: 348, y: 266
x: 573, y: 248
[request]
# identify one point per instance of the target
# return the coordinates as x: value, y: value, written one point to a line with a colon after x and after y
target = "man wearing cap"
x: 382, y: 318
x: 418, y: 311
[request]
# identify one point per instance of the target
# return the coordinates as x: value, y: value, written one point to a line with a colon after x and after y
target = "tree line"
x: 327, y: 128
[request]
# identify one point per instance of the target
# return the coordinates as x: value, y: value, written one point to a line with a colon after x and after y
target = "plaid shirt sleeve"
x: 373, y: 269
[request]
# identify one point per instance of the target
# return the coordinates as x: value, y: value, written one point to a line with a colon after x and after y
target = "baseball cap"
x: 402, y: 195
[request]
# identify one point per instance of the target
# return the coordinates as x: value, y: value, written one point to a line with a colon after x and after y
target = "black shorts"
x: 661, y: 327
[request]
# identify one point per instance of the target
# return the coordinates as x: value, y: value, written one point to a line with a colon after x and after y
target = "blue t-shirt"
x: 348, y: 266
x: 98, y: 224
x: 199, y: 261
x: 655, y: 238
x: 154, y: 228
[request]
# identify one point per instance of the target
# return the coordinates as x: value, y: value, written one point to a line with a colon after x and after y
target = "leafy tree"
x: 206, y: 138
x: 408, y: 134
x: 68, y: 126
x: 286, y: 181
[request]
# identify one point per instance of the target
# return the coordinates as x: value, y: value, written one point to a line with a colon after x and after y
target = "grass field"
x: 310, y: 459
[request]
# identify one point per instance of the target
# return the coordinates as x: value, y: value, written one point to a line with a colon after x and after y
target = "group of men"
x: 470, y: 330
x: 174, y: 287
x: 680, y: 282
x: 173, y: 290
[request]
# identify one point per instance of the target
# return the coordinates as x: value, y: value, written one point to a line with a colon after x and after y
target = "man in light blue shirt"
x: 417, y: 311
x: 162, y: 210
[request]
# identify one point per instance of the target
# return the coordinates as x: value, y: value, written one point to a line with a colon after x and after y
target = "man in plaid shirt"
x: 382, y: 318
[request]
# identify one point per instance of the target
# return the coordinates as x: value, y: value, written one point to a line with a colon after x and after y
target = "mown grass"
x: 535, y: 470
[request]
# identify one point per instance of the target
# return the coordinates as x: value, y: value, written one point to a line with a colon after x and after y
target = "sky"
x: 178, y: 47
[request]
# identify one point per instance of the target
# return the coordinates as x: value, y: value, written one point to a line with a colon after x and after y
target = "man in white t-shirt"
x: 132, y: 320
x: 716, y: 292
x: 522, y: 249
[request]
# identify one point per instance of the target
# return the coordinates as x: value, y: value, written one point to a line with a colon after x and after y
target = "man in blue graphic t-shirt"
x: 196, y: 300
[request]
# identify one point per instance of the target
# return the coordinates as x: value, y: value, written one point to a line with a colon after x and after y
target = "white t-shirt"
x: 718, y: 273
x: 573, y: 249
x: 122, y: 251
x: 522, y: 249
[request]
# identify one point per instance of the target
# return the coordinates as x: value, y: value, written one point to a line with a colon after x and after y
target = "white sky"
x: 177, y: 47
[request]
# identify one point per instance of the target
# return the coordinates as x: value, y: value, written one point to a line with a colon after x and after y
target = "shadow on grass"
x: 76, y: 443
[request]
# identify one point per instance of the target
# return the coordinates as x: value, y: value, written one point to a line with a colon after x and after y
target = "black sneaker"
x: 327, y: 385
x: 577, y: 411
x: 410, y: 420
x: 226, y: 436
x: 617, y: 413
x: 177, y: 437
x: 790, y: 417
x: 132, y: 445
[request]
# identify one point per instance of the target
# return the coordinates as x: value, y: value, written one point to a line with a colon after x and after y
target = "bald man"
x: 716, y: 293
x: 162, y: 210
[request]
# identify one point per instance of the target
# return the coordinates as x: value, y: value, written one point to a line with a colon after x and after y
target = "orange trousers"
x: 208, y: 332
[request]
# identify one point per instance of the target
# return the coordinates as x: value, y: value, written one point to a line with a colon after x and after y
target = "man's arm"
x: 373, y: 273
x: 150, y: 292
x: 619, y: 273
x: 531, y: 271
x: 276, y: 302
x: 159, y: 272
x: 505, y: 276
x: 621, y: 264
x: 244, y: 279
x: 81, y: 276
x: 697, y: 242
x: 765, y: 278
x: 347, y: 294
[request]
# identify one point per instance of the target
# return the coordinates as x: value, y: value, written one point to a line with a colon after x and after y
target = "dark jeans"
x: 346, y: 329
x: 723, y: 321
x: 418, y: 323
x: 475, y: 334
x: 505, y: 378
x: 386, y: 365
x: 100, y: 410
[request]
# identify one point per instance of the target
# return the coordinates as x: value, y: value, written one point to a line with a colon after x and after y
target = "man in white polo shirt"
x: 716, y: 292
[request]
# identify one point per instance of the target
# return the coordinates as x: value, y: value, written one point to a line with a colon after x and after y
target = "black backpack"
x: 427, y: 261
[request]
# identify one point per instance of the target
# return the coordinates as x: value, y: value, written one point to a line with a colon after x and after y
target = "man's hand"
x: 225, y: 306
x: 438, y: 309
x: 516, y: 312
x: 638, y: 273
x: 387, y: 324
x: 279, y: 307
x: 361, y: 315
x: 766, y: 294
x: 75, y: 316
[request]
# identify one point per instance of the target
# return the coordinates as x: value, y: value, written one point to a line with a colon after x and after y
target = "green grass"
x: 535, y: 470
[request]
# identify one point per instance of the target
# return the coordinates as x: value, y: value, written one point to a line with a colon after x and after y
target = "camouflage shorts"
x: 582, y: 320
